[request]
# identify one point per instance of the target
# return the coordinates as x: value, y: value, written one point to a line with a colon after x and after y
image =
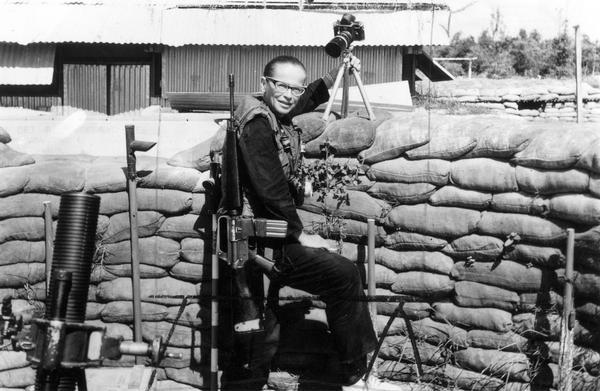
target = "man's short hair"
x: 270, y: 67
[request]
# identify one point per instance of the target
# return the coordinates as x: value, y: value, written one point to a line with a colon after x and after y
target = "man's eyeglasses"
x: 282, y: 87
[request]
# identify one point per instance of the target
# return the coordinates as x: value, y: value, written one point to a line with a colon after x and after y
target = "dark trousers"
x: 338, y: 283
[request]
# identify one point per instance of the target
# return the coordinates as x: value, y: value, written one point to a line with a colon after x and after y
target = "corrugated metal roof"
x: 26, y: 65
x: 174, y: 26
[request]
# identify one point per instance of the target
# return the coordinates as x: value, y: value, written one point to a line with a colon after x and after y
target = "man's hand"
x: 354, y: 62
x: 315, y: 241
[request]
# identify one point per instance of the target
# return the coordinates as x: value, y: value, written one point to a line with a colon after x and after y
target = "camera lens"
x: 338, y: 44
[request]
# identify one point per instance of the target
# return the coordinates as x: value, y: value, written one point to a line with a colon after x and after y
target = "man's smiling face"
x: 277, y: 88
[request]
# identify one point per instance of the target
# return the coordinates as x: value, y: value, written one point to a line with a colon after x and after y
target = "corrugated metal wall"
x: 204, y: 68
x: 85, y: 87
x: 42, y: 103
x: 129, y: 88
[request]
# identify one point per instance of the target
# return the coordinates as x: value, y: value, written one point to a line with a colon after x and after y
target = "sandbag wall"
x: 171, y: 252
x: 472, y: 213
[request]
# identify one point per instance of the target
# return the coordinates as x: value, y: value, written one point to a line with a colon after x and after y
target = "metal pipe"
x: 371, y: 289
x: 568, y: 320
x: 133, y: 229
x: 578, y: 75
x: 49, y: 239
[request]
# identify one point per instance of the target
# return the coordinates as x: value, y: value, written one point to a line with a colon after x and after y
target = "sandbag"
x: 583, y: 358
x: 594, y: 185
x: 532, y: 229
x: 497, y: 137
x: 196, y: 157
x: 218, y: 139
x: 536, y: 301
x: 191, y: 315
x: 311, y: 124
x: 18, y: 377
x: 12, y: 360
x: 413, y: 310
x: 483, y: 174
x: 118, y: 229
x: 395, y: 136
x: 479, y: 318
x: 588, y: 240
x: 515, y: 202
x: 397, y: 347
x: 461, y: 198
x: 4, y: 136
x: 442, y: 145
x: 507, y: 274
x: 359, y: 206
x: 22, y: 228
x: 351, y: 251
x: 28, y: 205
x: 114, y: 329
x: 590, y: 159
x: 11, y: 158
x: 585, y: 285
x: 403, y: 261
x: 153, y: 250
x: 22, y: 251
x: 556, y: 148
x: 487, y: 339
x: 182, y: 335
x: 474, y: 294
x: 423, y: 284
x: 475, y: 247
x: 165, y: 201
x: 198, y: 201
x: 470, y: 380
x: 439, y: 221
x: 402, y: 193
x: 384, y: 276
x: 186, y: 376
x: 434, y: 171
x: 589, y: 312
x: 548, y: 257
x: 15, y: 276
x: 407, y: 372
x: 192, y: 250
x: 122, y: 312
x: 504, y: 365
x: 55, y: 177
x: 578, y: 208
x: 586, y: 261
x: 151, y: 290
x: 146, y: 271
x: 105, y: 176
x: 333, y: 227
x: 179, y: 227
x: 185, y: 271
x: 344, y: 137
x: 93, y: 310
x: 546, y: 182
x: 167, y: 177
x: 28, y: 309
x: 400, y: 240
x: 13, y: 180
x: 437, y: 333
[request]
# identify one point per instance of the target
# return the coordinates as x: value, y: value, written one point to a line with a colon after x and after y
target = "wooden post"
x: 470, y: 68
x: 49, y: 241
x: 568, y: 320
x: 371, y: 289
x: 578, y: 75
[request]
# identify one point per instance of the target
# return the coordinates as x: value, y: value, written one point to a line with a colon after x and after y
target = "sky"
x: 546, y: 16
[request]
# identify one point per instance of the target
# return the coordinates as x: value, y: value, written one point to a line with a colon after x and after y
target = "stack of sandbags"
x: 472, y: 214
x: 171, y: 242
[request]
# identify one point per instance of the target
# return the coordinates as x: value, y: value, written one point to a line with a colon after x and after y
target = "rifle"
x: 235, y: 231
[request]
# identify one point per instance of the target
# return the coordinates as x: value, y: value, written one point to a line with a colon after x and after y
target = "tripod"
x: 344, y: 73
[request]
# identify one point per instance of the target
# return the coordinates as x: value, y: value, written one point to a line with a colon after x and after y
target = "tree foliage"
x: 527, y: 54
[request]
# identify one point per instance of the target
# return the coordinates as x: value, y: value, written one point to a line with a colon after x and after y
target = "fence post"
x: 565, y: 362
x: 578, y: 75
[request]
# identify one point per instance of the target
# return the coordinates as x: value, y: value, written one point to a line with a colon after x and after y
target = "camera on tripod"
x: 346, y: 31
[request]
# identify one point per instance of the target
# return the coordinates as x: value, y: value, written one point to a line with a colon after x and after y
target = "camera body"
x: 346, y: 31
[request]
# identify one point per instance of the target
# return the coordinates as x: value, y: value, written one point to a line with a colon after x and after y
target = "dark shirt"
x: 261, y: 169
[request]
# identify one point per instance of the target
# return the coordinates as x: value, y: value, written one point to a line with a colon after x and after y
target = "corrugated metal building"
x: 113, y: 57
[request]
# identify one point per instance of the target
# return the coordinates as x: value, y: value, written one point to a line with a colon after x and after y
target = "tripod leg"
x: 345, y: 88
x: 336, y: 86
x: 363, y: 94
